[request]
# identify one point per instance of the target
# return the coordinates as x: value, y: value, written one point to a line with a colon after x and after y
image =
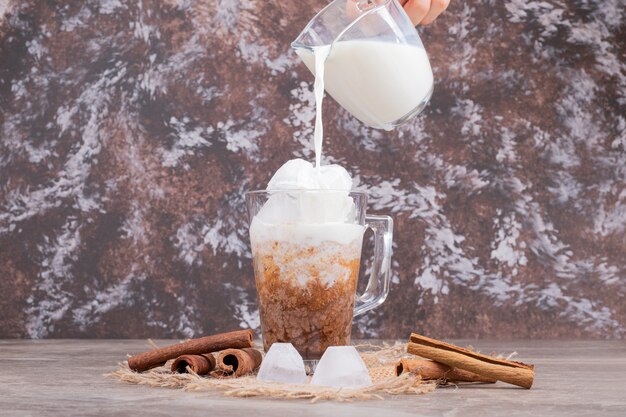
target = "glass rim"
x: 311, y: 191
x: 298, y: 45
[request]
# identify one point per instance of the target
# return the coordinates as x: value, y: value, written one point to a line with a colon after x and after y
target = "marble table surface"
x: 65, y: 377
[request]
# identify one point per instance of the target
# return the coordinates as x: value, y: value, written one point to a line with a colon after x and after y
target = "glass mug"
x: 306, y: 249
x: 377, y: 67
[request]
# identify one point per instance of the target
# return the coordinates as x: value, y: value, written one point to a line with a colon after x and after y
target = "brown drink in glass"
x: 306, y: 269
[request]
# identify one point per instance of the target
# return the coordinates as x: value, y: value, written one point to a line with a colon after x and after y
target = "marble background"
x: 129, y: 132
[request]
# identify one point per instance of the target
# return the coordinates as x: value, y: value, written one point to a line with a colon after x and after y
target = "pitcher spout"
x: 333, y: 21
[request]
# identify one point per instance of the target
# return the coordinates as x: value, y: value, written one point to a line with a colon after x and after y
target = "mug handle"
x: 378, y: 285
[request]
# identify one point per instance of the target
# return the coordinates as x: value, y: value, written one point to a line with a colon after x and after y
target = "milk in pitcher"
x: 378, y: 82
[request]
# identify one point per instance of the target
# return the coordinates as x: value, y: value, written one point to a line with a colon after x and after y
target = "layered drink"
x: 306, y: 248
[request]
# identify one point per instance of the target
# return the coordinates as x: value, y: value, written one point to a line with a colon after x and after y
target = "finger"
x: 417, y: 10
x: 436, y: 8
x: 352, y: 9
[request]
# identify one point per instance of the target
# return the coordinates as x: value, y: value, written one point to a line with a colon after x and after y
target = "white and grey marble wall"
x: 129, y: 132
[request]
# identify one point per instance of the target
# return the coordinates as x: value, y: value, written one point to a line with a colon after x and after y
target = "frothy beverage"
x: 306, y: 293
x: 378, y: 82
x: 306, y: 248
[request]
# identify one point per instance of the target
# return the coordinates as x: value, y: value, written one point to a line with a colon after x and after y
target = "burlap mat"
x: 380, y: 361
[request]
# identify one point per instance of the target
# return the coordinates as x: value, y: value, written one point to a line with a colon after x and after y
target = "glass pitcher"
x: 377, y: 68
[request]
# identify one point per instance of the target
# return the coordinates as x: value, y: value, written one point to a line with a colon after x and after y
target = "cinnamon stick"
x: 207, y: 344
x: 200, y: 364
x: 515, y: 373
x: 431, y: 370
x: 238, y: 362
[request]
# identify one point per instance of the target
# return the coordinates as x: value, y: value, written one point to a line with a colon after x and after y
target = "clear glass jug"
x: 306, y: 269
x: 377, y: 68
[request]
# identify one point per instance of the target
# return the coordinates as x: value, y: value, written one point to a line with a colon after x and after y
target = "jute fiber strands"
x: 380, y: 362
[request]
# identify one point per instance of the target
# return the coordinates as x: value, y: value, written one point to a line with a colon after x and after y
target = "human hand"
x: 424, y: 12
